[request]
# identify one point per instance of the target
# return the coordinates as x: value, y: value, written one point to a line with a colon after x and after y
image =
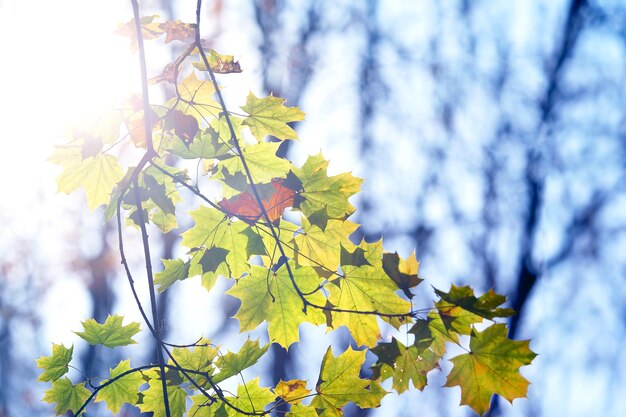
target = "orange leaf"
x: 245, y: 206
x: 177, y: 31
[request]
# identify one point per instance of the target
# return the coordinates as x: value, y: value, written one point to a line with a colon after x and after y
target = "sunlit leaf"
x: 268, y: 116
x: 251, y: 398
x: 232, y: 363
x: 111, y: 333
x: 324, y: 192
x: 491, y: 367
x: 124, y: 390
x: 175, y: 270
x: 66, y: 396
x: 153, y: 400
x: 268, y: 295
x: 292, y: 391
x: 56, y: 365
x: 96, y: 175
x: 339, y: 382
x: 220, y: 64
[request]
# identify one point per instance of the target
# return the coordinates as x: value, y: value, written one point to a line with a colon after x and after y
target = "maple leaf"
x: 245, y: 206
x: 432, y: 334
x: 232, y: 363
x: 149, y: 30
x: 365, y: 288
x: 460, y: 308
x: 292, y: 391
x: 268, y: 295
x: 213, y: 229
x: 174, y: 270
x: 251, y: 398
x: 206, y: 145
x: 323, y: 192
x: 299, y: 410
x: 124, y: 390
x: 209, y: 264
x: 185, y: 126
x: 199, y: 359
x: 55, y: 365
x: 318, y: 246
x: 220, y: 64
x: 402, y: 272
x: 175, y: 30
x: 262, y: 162
x: 202, y: 406
x: 285, y: 231
x: 268, y: 116
x: 339, y: 382
x: 111, y: 333
x: 198, y: 98
x: 158, y: 194
x: 403, y: 364
x: 96, y: 175
x: 491, y: 367
x: 152, y: 400
x: 66, y: 396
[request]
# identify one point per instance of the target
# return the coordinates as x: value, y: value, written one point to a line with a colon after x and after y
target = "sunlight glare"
x: 62, y: 64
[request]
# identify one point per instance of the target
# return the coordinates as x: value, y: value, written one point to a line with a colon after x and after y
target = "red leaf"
x: 245, y: 206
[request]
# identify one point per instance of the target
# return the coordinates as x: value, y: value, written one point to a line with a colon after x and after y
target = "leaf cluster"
x: 283, y: 235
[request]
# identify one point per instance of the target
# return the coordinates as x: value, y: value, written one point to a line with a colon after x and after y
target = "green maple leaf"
x: 412, y: 367
x: 66, y: 396
x: 432, y: 334
x: 491, y: 367
x: 174, y: 270
x: 209, y: 264
x: 213, y: 229
x: 285, y: 231
x: 201, y: 406
x: 96, y: 175
x: 300, y: 410
x: 206, y: 145
x: 270, y: 296
x: 403, y: 364
x: 55, y: 365
x: 232, y: 363
x: 251, y: 398
x: 324, y: 192
x: 124, y: 390
x: 262, y: 162
x: 159, y: 196
x: 222, y: 127
x: 198, y: 97
x: 460, y: 308
x: 323, y: 247
x: 153, y: 399
x: 339, y: 382
x: 111, y: 333
x: 199, y: 359
x: 268, y: 116
x: 366, y: 288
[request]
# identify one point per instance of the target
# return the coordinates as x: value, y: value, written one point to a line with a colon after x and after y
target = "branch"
x: 233, y: 135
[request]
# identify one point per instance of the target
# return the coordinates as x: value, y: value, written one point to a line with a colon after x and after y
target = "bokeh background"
x: 491, y: 135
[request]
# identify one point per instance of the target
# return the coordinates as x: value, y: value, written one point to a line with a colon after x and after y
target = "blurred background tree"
x: 492, y: 139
